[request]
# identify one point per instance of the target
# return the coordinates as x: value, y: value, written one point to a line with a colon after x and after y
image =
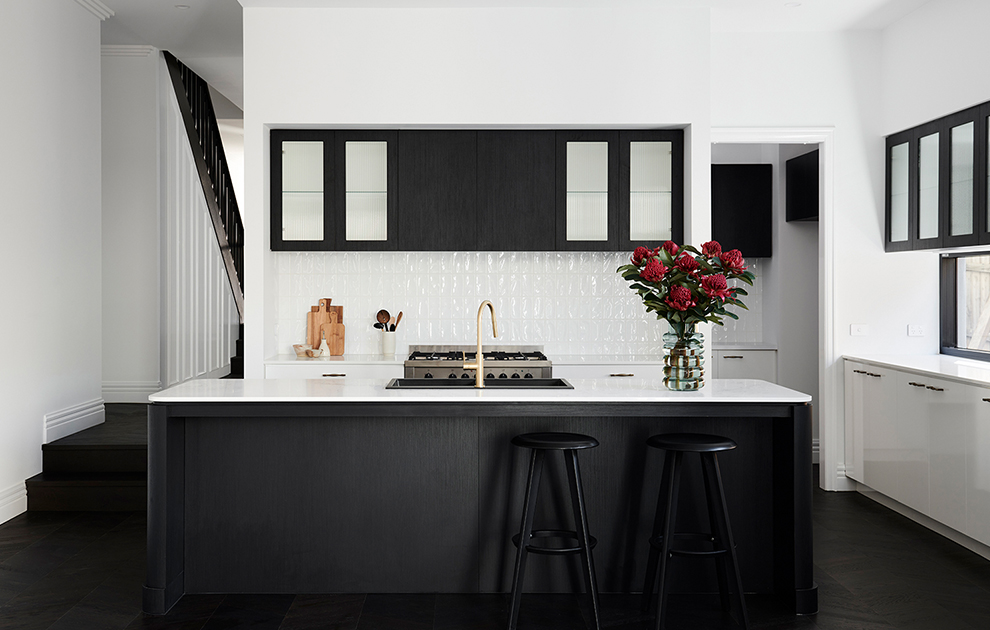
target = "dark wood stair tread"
x: 88, y: 479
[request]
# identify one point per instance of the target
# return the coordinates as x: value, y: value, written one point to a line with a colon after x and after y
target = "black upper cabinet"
x: 936, y: 183
x: 516, y: 189
x: 365, y: 195
x: 651, y: 188
x: 742, y: 208
x: 302, y: 184
x: 438, y: 177
x: 470, y: 190
x: 587, y: 190
x: 801, y: 176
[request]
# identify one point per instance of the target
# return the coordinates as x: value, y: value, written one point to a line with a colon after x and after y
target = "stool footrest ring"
x: 555, y: 533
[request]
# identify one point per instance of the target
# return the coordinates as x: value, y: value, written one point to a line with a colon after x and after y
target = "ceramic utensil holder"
x: 388, y: 343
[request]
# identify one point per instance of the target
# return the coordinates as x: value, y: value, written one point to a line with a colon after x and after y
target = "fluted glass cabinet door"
x: 302, y: 185
x: 651, y: 187
x: 365, y: 203
x: 587, y: 185
x: 961, y: 152
x: 898, y: 198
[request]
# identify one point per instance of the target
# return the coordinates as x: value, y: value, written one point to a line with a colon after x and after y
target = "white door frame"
x: 830, y: 415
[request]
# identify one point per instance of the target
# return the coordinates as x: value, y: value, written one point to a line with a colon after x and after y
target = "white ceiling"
x: 207, y: 36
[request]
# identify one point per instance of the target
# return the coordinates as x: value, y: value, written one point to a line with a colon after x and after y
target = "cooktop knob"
x: 452, y: 375
x: 427, y: 375
x: 465, y: 375
x: 489, y: 375
x: 515, y: 375
x: 503, y: 375
x: 528, y: 375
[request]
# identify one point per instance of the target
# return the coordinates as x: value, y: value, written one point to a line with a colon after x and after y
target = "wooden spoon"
x: 383, y: 317
x: 397, y: 320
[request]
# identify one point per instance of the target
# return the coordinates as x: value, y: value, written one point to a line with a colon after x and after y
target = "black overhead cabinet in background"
x: 476, y: 190
x: 936, y: 183
x: 742, y: 208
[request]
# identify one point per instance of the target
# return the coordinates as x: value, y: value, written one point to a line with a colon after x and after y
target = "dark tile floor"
x: 874, y: 568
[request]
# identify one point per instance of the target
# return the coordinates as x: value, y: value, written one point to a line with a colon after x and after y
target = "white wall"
x: 462, y: 67
x: 931, y: 63
x: 131, y: 237
x: 833, y: 80
x: 50, y: 236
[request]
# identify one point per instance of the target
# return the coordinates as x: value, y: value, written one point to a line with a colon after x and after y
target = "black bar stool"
x: 722, y: 546
x: 569, y: 444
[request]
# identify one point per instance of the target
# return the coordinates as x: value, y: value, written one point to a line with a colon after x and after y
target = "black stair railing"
x: 193, y: 97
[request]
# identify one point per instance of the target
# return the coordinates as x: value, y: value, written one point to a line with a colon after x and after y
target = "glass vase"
x: 684, y: 359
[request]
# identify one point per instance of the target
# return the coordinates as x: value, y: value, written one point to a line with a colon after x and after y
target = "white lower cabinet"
x: 923, y: 441
x: 977, y: 463
x: 610, y: 371
x: 332, y: 369
x: 758, y: 364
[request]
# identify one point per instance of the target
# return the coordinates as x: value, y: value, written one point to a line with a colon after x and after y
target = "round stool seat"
x: 691, y: 442
x: 556, y: 441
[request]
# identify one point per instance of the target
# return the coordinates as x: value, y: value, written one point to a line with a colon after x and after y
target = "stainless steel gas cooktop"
x: 500, y: 362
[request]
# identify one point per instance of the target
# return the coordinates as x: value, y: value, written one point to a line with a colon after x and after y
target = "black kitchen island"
x: 294, y: 486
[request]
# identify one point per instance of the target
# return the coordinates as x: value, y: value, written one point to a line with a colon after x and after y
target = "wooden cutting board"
x: 334, y: 333
x: 318, y: 317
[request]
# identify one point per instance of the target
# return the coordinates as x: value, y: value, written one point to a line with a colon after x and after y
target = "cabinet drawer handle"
x: 986, y: 400
x: 334, y: 375
x: 916, y: 384
x: 935, y: 389
x: 874, y: 375
x: 622, y: 374
x: 860, y: 372
x: 732, y: 356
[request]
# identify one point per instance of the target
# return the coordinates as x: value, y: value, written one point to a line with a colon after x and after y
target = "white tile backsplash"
x: 570, y: 303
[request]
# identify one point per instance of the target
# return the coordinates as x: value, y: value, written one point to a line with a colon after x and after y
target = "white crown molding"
x: 69, y: 420
x: 97, y: 8
x: 13, y: 501
x: 123, y: 50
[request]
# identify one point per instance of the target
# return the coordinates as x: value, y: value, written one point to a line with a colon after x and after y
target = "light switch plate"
x: 916, y: 330
x: 859, y: 330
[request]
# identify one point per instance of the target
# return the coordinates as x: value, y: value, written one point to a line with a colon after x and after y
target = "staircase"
x: 101, y: 469
x: 237, y: 361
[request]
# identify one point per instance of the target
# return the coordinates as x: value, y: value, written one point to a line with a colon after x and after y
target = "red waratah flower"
x: 687, y: 264
x: 715, y: 287
x: 679, y: 299
x: 733, y: 260
x: 654, y: 271
x: 639, y: 255
x: 671, y: 248
x: 711, y: 249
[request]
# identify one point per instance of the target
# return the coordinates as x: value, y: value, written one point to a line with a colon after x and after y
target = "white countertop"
x: 953, y: 368
x: 373, y: 390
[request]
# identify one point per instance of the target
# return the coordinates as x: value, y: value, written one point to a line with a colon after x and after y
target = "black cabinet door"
x: 516, y: 190
x: 360, y: 214
x: 742, y: 208
x: 298, y: 211
x: 593, y: 209
x: 631, y: 232
x: 437, y: 208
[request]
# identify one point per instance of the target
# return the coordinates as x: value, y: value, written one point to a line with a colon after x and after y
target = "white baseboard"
x: 13, y: 501
x: 957, y: 537
x: 63, y: 422
x: 129, y: 391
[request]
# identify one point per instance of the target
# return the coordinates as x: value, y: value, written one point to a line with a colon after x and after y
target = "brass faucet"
x: 479, y: 364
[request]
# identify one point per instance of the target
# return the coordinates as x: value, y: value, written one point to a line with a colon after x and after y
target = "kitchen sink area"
x: 490, y: 383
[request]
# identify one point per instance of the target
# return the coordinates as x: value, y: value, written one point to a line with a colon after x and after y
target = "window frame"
x: 948, y: 307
